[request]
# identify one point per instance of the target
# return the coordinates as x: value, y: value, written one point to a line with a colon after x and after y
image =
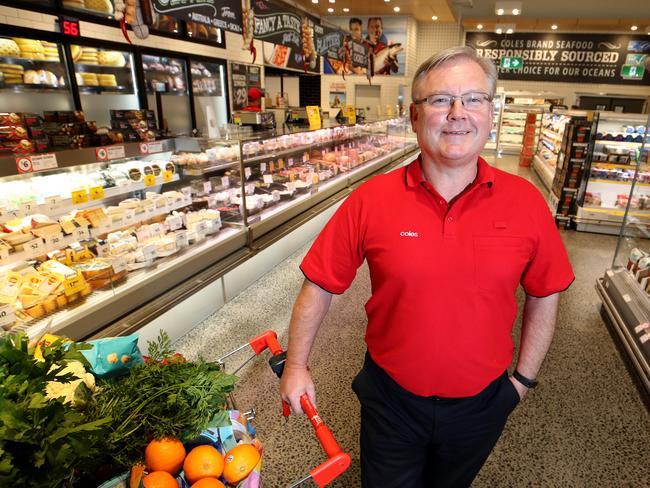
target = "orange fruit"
x: 159, y: 479
x: 164, y: 455
x: 203, y: 462
x: 208, y: 483
x: 239, y: 462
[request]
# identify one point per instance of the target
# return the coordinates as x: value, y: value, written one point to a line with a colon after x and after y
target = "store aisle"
x: 584, y: 426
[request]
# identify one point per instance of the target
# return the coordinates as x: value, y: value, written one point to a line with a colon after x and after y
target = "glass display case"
x: 550, y: 144
x: 210, y: 100
x: 103, y: 8
x: 513, y: 124
x: 497, y: 106
x: 625, y: 287
x: 167, y: 93
x: 203, y: 32
x: 617, y: 160
x: 105, y: 78
x: 33, y: 76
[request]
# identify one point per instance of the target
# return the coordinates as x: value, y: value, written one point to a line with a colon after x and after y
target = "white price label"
x: 118, y: 222
x: 28, y: 207
x: 143, y: 233
x: 12, y: 214
x: 7, y: 315
x: 55, y: 241
x: 642, y: 327
x: 291, y: 186
x: 263, y: 167
x: 247, y: 172
x: 250, y: 188
x: 290, y: 161
x: 225, y: 181
x: 212, y: 201
x: 149, y: 252
x: 207, y: 187
x: 212, y: 154
x: 201, y: 227
x: 118, y: 263
x: 81, y: 233
x: 627, y: 298
x: 268, y: 179
x: 150, y: 211
x: 102, y: 249
x: 154, y: 147
x: 181, y: 239
x: 54, y: 201
x: 115, y: 152
x: 44, y: 162
x: 34, y: 248
x: 174, y: 222
x: 644, y: 338
x: 156, y: 230
x: 187, y: 191
x: 129, y: 215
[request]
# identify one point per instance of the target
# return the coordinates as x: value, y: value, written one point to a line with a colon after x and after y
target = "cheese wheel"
x: 104, y: 6
x: 8, y: 47
x: 76, y: 52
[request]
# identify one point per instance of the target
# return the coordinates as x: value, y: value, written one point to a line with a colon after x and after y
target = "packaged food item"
x: 114, y: 356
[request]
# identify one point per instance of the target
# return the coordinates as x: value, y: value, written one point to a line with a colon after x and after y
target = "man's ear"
x: 413, y: 115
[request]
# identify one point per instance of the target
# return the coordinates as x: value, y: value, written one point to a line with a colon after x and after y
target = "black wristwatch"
x: 527, y: 382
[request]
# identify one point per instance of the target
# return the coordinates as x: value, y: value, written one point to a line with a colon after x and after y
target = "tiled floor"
x: 585, y: 426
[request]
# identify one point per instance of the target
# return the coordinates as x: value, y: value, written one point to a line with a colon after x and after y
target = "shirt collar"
x: 484, y: 176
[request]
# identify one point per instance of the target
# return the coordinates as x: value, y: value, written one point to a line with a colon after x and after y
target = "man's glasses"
x: 474, y: 101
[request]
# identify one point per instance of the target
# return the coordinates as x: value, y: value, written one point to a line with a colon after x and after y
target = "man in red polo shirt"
x: 447, y: 239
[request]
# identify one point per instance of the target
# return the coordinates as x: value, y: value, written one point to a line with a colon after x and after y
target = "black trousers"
x: 409, y: 441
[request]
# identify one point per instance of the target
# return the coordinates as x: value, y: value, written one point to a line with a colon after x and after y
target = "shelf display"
x: 96, y: 7
x: 196, y: 30
x: 88, y: 241
x: 165, y: 23
x: 513, y: 123
x: 619, y: 157
x: 497, y: 106
x: 549, y: 145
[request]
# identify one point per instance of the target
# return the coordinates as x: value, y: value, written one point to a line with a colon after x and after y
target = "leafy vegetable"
x: 41, y: 440
x: 163, y: 397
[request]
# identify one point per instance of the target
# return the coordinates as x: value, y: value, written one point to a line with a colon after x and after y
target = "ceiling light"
x: 509, y: 31
x: 386, y: 1
x: 507, y: 8
x: 346, y: 9
x: 500, y: 11
x: 499, y: 31
x: 554, y: 27
x: 314, y: 1
x: 515, y: 11
x: 332, y: 1
x: 434, y: 17
x: 479, y: 26
x: 396, y: 9
x: 507, y: 28
x: 330, y: 10
x: 634, y: 27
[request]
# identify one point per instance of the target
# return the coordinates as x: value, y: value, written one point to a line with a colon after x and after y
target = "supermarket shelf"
x: 619, y: 143
x: 21, y: 61
x: 612, y: 182
x: 552, y: 135
x: 627, y: 306
x: 544, y: 171
x: 605, y: 165
x: 32, y: 88
x: 105, y: 89
x: 207, y: 169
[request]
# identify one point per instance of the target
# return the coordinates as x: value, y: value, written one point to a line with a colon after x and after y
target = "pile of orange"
x: 202, y: 466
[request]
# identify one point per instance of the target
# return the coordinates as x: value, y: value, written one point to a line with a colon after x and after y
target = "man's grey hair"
x: 453, y: 53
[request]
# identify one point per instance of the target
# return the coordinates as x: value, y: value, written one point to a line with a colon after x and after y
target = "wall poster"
x: 575, y: 58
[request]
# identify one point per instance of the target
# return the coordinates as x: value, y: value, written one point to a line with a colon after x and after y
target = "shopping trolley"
x: 337, y: 460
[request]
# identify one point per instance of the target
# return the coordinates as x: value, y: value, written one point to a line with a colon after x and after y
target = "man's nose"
x: 457, y: 109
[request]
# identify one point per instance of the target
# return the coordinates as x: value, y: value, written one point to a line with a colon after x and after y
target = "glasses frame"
x: 424, y: 101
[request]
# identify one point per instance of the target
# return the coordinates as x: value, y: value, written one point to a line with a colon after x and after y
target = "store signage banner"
x: 334, y: 44
x: 574, y: 58
x: 288, y: 35
x: 223, y: 14
x: 243, y: 77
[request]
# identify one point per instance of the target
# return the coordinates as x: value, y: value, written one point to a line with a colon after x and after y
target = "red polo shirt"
x: 443, y: 274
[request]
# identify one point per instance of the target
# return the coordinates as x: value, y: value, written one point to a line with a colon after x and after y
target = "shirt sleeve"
x: 549, y: 271
x: 336, y: 254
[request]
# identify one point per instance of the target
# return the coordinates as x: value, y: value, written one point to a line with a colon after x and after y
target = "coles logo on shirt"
x: 408, y: 233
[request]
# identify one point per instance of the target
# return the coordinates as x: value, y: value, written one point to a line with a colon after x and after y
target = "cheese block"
x: 111, y: 58
x: 11, y: 68
x: 75, y: 51
x: 90, y: 79
x: 8, y: 47
x: 104, y: 6
x: 106, y: 80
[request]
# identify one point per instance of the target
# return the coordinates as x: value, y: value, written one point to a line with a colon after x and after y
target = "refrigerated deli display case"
x: 550, y: 144
x: 625, y: 287
x: 617, y: 161
x: 497, y: 112
x: 99, y: 232
x: 513, y: 125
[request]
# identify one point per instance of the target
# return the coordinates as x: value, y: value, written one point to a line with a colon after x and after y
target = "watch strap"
x: 527, y: 382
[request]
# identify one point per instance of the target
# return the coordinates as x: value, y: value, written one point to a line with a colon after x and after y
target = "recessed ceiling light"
x: 500, y: 11
x: 332, y: 1
x: 330, y: 10
x: 396, y: 9
x: 386, y: 1
x: 554, y: 27
x: 346, y: 9
x: 314, y: 1
x: 634, y: 27
x: 509, y: 31
x: 515, y: 11
x: 479, y: 26
x: 434, y: 17
x: 499, y: 31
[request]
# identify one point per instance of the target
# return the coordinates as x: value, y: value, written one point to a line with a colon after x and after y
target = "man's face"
x: 355, y: 31
x: 375, y: 30
x: 457, y: 135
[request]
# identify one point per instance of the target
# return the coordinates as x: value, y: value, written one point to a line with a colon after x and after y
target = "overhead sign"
x: 575, y: 58
x: 243, y: 77
x: 223, y: 14
x: 512, y: 63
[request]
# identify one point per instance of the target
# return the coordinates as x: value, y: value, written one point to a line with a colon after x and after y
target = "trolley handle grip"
x: 266, y: 339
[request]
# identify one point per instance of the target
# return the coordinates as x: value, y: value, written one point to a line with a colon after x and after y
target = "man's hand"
x: 295, y: 382
x: 521, y: 389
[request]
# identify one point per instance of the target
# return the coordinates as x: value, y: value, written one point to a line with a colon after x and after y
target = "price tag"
x: 143, y: 233
x: 118, y: 222
x: 151, y: 147
x: 150, y: 211
x: 102, y: 249
x: 54, y: 203
x: 34, y: 248
x: 250, y: 188
x: 80, y: 233
x: 268, y: 179
x: 262, y: 167
x: 118, y: 263
x: 149, y: 180
x: 290, y: 162
x: 129, y: 216
x: 313, y: 115
x: 55, y: 241
x: 174, y: 222
x: 225, y: 182
x: 247, y: 172
x: 167, y: 176
x: 74, y: 285
x: 7, y: 315
x: 156, y: 230
x: 79, y: 197
x: 211, y: 154
x: 350, y: 113
x: 181, y: 239
x: 44, y: 162
x: 187, y: 191
x: 116, y: 152
x: 149, y: 252
x: 96, y: 193
x: 28, y: 207
x: 212, y: 201
x: 201, y: 227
